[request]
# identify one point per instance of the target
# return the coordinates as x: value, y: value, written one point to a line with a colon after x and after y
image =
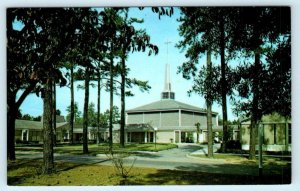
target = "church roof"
x: 166, y: 105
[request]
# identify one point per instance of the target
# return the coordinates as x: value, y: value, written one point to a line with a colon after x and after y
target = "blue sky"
x: 143, y: 67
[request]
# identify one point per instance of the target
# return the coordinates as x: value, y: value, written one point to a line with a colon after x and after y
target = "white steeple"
x: 167, y: 93
x: 167, y: 79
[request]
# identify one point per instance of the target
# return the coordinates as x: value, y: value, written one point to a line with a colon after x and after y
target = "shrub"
x: 232, y: 144
x: 118, y: 162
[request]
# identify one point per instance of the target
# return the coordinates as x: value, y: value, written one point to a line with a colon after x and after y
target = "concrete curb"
x: 205, y: 159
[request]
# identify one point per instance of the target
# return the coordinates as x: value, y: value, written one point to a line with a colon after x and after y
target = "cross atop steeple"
x: 167, y: 92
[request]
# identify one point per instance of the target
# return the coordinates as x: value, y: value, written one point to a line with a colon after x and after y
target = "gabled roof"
x: 34, y: 125
x: 166, y: 105
x: 27, y: 124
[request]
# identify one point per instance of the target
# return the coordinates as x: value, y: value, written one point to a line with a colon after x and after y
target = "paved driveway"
x: 176, y: 154
x: 178, y: 159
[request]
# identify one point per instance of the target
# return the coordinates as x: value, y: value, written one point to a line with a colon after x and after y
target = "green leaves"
x: 162, y: 11
x: 143, y: 85
x: 249, y: 31
x: 40, y: 45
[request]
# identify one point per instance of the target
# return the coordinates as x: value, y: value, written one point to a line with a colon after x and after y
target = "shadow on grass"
x: 14, y: 180
x: 174, y: 177
x: 220, y: 168
x: 75, y: 165
x: 13, y: 165
x: 19, y: 171
x: 191, y: 148
x: 240, y: 174
x: 147, y: 155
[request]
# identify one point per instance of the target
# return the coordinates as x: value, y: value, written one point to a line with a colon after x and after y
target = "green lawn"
x: 27, y: 173
x: 95, y: 149
x: 268, y: 161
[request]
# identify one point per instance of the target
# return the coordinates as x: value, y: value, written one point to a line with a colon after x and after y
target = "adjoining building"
x: 168, y: 120
x: 277, y: 135
x: 27, y: 131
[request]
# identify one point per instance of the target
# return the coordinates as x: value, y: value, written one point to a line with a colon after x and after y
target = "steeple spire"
x: 167, y: 79
x: 167, y: 93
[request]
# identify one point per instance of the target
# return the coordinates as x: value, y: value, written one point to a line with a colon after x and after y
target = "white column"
x: 146, y: 135
x: 22, y: 135
x: 179, y: 141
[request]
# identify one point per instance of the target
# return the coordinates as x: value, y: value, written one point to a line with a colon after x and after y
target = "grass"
x: 268, y: 161
x: 95, y: 149
x: 27, y: 173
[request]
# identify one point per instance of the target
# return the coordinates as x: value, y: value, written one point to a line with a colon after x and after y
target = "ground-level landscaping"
x: 28, y: 172
x: 74, y: 168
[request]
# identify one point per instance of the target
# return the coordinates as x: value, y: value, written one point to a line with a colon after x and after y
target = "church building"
x: 168, y: 120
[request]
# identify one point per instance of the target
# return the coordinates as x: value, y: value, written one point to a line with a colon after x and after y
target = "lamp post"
x: 155, y: 130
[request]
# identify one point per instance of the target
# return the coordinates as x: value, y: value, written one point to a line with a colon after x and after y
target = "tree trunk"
x: 111, y: 98
x: 197, y: 136
x: 252, y: 149
x: 72, y: 106
x: 12, y: 109
x: 54, y: 113
x: 98, y: 108
x: 11, y: 120
x: 85, y: 111
x: 209, y: 130
x: 48, y: 160
x: 224, y: 84
x: 122, y: 124
x: 254, y: 111
x: 209, y: 112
